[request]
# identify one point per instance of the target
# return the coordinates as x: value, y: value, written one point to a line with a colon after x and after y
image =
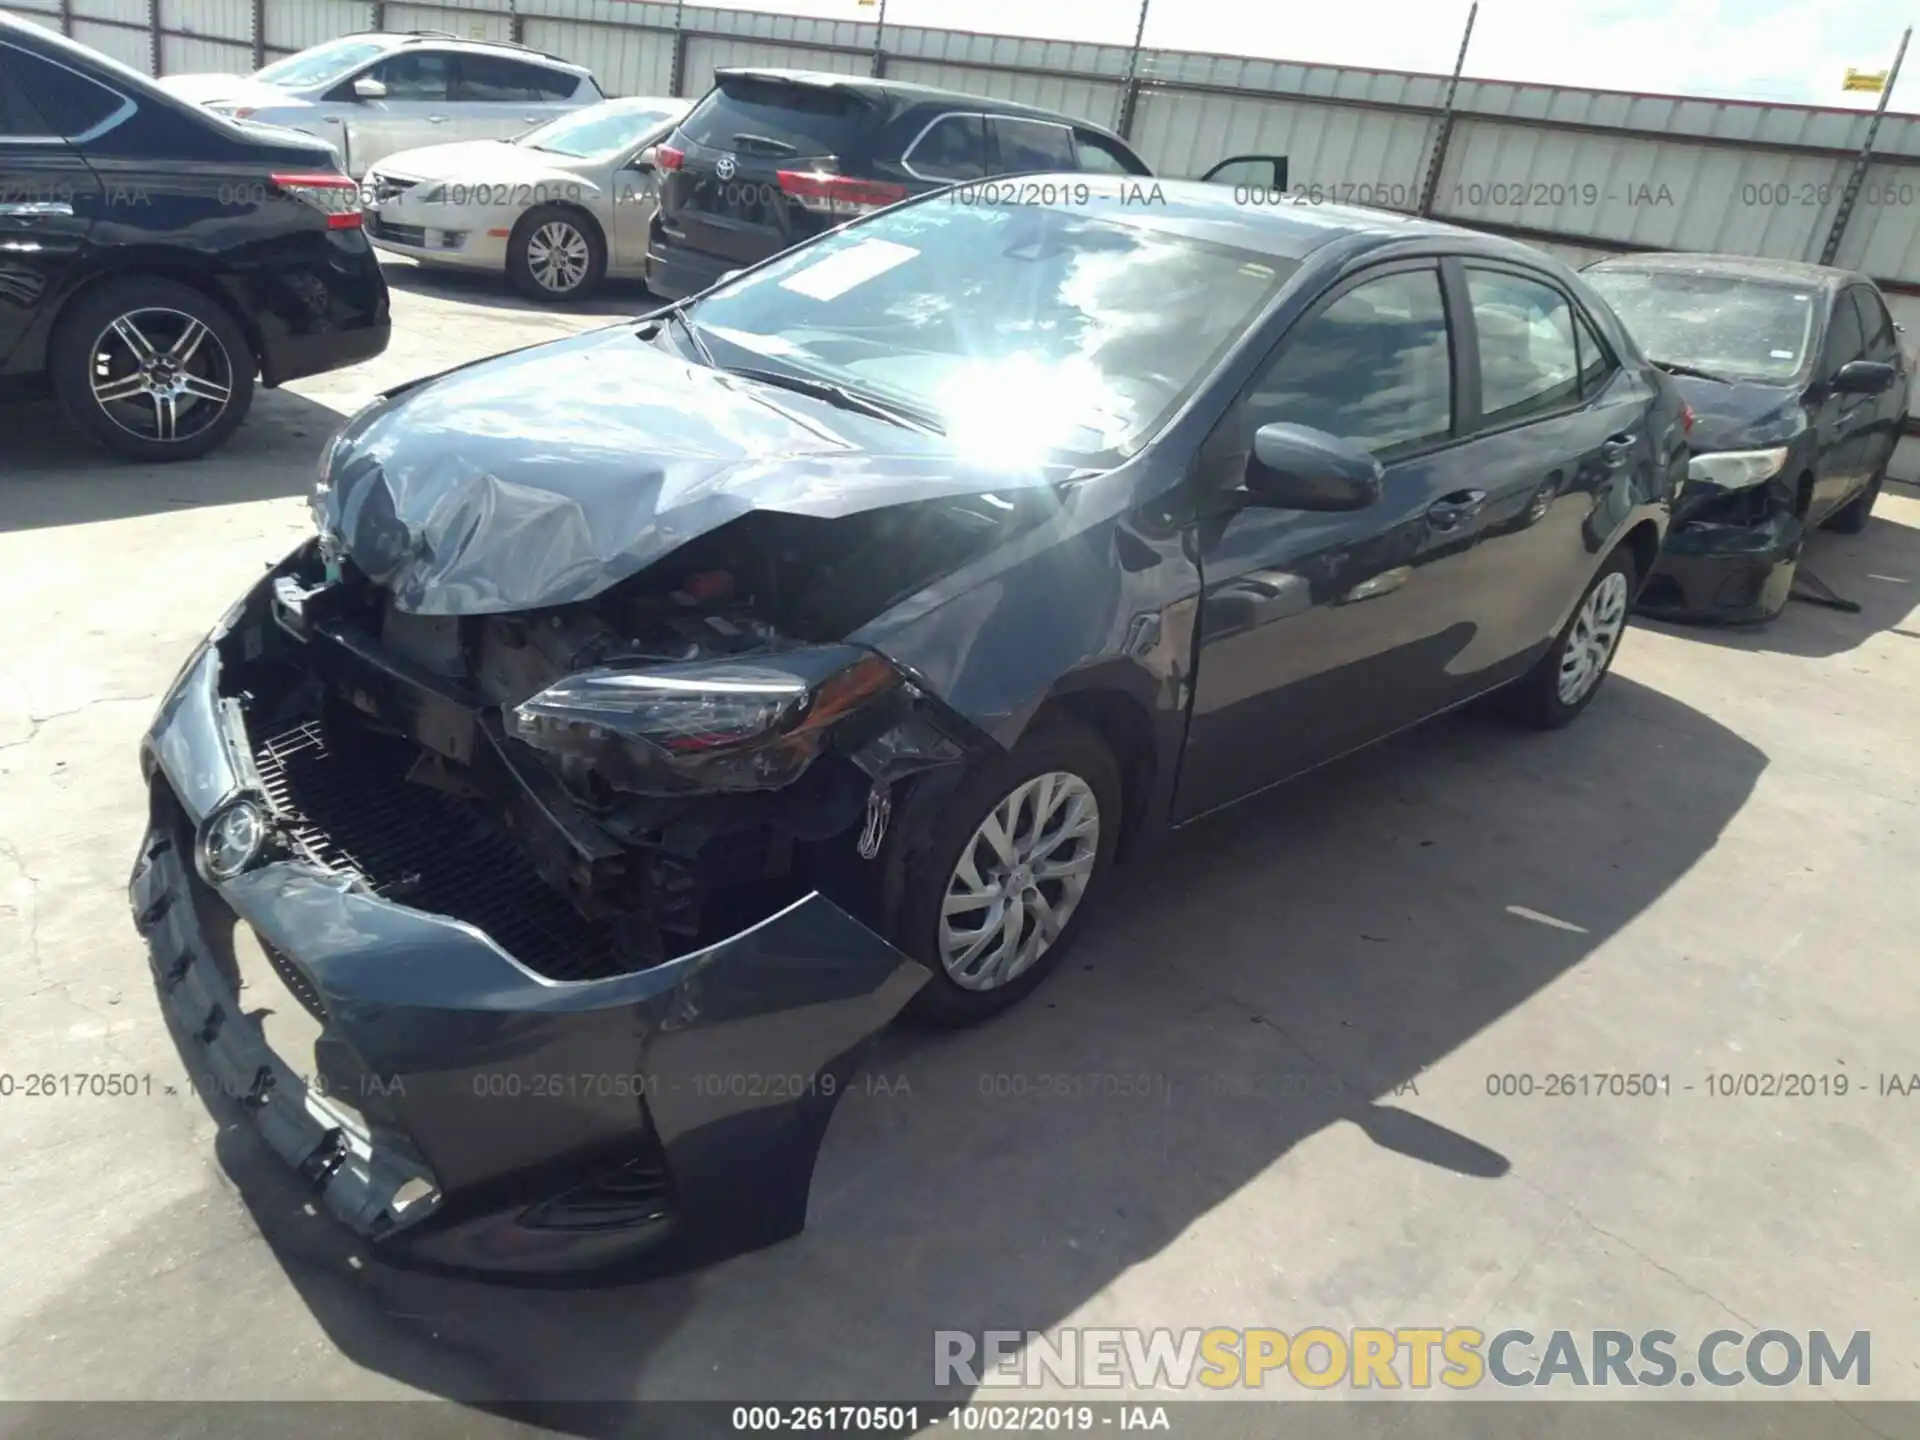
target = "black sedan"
x: 156, y: 258
x: 660, y: 711
x: 1799, y: 390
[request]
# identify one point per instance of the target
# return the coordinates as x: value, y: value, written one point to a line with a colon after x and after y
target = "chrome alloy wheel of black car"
x: 160, y: 374
x: 1596, y: 631
x: 1019, y: 880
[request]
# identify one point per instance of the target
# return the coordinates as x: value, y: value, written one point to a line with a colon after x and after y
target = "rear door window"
x: 494, y: 78
x: 1101, y: 156
x: 954, y: 147
x: 777, y: 117
x: 52, y: 100
x: 1024, y: 146
x: 1529, y: 361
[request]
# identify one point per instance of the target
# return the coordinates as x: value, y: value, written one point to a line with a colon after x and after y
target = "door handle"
x: 436, y: 119
x: 36, y: 209
x: 1449, y: 510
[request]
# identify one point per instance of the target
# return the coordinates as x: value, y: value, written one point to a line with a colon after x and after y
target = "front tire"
x: 152, y: 369
x: 1564, y: 680
x: 1021, y: 850
x: 556, y: 254
x: 1851, y: 518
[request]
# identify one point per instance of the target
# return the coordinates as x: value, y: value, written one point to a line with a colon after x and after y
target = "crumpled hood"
x: 476, y: 161
x: 1741, y: 416
x: 545, y: 476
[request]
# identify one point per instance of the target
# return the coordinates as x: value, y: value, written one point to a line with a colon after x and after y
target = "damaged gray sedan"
x: 657, y: 713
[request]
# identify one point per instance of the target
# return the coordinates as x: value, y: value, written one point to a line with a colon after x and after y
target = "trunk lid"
x: 733, y: 192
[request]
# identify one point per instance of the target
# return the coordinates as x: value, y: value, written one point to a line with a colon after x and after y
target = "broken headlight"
x: 1737, y: 469
x: 711, y: 725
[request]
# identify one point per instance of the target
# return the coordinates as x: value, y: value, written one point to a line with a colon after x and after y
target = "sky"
x: 1795, y: 51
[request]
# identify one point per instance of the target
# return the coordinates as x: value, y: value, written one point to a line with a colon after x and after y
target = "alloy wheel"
x: 1018, y: 880
x: 558, y: 256
x: 160, y: 374
x: 1596, y: 632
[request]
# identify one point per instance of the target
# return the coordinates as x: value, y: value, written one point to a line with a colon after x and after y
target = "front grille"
x: 414, y: 235
x: 352, y: 810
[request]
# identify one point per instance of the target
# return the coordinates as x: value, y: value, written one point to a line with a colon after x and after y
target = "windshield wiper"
x: 1693, y: 372
x: 842, y: 397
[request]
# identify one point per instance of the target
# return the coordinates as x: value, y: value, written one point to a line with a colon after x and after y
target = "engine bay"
x: 434, y: 698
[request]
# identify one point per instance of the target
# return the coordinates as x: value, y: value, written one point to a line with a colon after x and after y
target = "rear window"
x: 777, y: 117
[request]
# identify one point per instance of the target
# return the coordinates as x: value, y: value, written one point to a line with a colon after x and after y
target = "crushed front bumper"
x: 455, y: 1108
x: 1728, y: 574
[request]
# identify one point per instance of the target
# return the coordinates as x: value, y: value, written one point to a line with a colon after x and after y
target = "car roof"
x: 901, y: 93
x: 1292, y: 228
x: 1736, y: 267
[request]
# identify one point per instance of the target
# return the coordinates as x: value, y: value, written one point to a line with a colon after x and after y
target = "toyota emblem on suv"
x: 724, y: 167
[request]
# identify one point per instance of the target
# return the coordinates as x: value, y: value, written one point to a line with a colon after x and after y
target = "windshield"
x: 322, y: 65
x: 1022, y: 331
x: 1733, y: 327
x: 593, y: 131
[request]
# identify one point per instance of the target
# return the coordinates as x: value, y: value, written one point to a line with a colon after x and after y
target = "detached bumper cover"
x: 1714, y: 572
x: 462, y: 1111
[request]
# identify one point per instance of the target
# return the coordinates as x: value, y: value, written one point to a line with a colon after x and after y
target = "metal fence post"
x: 66, y: 18
x: 259, y: 33
x: 677, y: 65
x: 1431, y: 185
x: 1130, y: 90
x: 377, y: 21
x: 1857, y: 176
x: 153, y: 36
x: 880, y: 42
x: 516, y: 23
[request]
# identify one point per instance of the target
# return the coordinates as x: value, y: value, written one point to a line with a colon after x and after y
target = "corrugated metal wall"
x: 1563, y: 167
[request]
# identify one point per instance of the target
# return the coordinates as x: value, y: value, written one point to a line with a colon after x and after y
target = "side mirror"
x: 1864, y: 377
x: 1295, y: 467
x: 368, y: 88
x: 642, y: 162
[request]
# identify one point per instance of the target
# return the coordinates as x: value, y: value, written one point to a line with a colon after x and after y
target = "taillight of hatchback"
x: 838, y: 195
x: 335, y: 196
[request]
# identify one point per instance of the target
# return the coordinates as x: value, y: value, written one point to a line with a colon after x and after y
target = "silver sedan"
x: 556, y: 209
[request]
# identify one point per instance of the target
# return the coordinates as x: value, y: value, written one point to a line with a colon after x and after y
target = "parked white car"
x: 372, y: 95
x: 555, y: 209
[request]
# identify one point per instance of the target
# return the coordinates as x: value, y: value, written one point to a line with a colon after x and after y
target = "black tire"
x: 91, y: 344
x: 1535, y: 699
x: 1058, y: 746
x: 542, y: 232
x: 1851, y: 518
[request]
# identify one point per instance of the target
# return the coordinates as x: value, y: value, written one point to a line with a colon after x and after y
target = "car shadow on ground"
x: 1272, y: 974
x: 615, y: 299
x: 52, y: 476
x: 1878, y: 569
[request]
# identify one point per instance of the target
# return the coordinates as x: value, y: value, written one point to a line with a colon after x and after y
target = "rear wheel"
x: 1568, y: 676
x: 555, y: 254
x: 993, y: 904
x: 152, y: 369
